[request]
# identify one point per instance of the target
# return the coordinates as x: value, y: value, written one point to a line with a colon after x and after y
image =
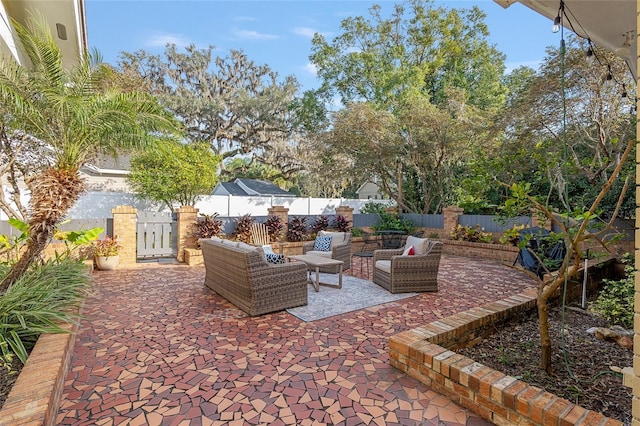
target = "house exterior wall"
x: 369, y: 191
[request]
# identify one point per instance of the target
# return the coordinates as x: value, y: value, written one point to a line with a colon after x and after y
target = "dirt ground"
x: 582, y: 376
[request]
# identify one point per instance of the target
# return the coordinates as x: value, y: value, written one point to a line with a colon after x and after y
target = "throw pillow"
x: 409, y: 251
x: 274, y: 258
x: 322, y: 244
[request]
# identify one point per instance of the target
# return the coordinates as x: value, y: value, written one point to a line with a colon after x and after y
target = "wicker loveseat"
x: 241, y: 274
x: 400, y: 273
x: 340, y: 249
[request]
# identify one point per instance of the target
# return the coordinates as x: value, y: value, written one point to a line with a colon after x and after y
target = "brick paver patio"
x: 156, y: 347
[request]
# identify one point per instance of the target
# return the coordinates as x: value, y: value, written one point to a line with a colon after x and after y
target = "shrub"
x: 615, y: 301
x: 342, y: 224
x: 37, y: 302
x: 388, y: 221
x: 356, y: 232
x: 373, y: 208
x: 511, y: 236
x: 471, y: 234
x: 274, y: 227
x: 106, y: 247
x: 321, y: 224
x: 208, y: 226
x: 243, y: 229
x: 297, y: 229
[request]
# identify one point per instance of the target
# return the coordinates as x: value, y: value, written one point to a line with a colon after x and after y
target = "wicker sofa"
x: 400, y: 273
x: 340, y: 249
x: 241, y: 274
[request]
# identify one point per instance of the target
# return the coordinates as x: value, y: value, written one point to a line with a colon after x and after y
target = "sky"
x: 278, y: 33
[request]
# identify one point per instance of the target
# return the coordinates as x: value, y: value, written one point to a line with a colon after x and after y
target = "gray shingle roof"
x: 250, y: 187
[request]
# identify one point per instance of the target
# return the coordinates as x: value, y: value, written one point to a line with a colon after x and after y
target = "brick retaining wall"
x: 427, y: 354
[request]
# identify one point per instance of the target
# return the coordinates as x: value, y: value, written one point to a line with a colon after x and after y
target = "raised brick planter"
x: 426, y: 354
x: 35, y: 397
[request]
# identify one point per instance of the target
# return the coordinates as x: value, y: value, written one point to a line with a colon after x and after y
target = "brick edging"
x: 425, y: 354
x: 35, y: 397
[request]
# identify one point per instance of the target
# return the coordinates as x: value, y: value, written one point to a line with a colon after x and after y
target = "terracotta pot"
x: 107, y: 263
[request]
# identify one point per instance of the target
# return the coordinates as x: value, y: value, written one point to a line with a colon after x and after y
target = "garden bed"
x: 583, y: 376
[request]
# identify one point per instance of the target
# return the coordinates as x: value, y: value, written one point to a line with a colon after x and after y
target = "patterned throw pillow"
x: 322, y: 244
x: 274, y: 258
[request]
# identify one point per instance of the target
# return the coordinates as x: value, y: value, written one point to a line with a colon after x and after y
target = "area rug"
x: 356, y: 293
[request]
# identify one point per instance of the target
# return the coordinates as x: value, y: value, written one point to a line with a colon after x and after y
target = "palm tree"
x: 77, y: 116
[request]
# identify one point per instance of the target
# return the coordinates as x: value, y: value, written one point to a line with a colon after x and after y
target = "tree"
x: 174, y: 173
x: 570, y: 163
x: 413, y: 153
x: 236, y: 106
x: 66, y: 111
x: 433, y: 70
x: 571, y: 126
x: 418, y: 47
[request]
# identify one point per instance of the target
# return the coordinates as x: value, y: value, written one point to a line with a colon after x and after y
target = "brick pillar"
x: 283, y: 213
x: 346, y: 212
x: 125, y: 220
x: 451, y: 218
x: 187, y: 218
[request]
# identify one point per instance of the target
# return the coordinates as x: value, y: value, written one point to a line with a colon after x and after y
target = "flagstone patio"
x: 158, y: 347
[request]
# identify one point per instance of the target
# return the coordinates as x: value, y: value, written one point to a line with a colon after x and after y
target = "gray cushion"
x: 319, y: 253
x: 337, y: 238
x: 384, y: 265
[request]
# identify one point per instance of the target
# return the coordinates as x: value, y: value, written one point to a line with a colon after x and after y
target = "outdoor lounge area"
x: 158, y: 347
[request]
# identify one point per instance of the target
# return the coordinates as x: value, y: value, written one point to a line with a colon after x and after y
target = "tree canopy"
x: 236, y: 106
x: 174, y: 173
x: 418, y: 48
x: 417, y: 89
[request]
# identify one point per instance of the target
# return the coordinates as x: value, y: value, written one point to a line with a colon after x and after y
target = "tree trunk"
x: 545, y: 338
x: 36, y: 245
x: 54, y: 192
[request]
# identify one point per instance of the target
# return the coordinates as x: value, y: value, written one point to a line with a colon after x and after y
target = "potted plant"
x: 106, y: 253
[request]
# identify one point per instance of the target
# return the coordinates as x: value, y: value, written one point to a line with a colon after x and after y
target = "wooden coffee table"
x: 314, y: 263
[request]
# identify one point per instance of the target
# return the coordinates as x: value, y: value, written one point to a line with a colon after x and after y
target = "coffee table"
x: 314, y: 263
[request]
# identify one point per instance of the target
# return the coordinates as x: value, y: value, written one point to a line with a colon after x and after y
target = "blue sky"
x: 278, y: 33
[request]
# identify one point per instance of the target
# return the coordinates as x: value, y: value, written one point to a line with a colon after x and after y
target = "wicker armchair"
x: 403, y: 274
x: 340, y: 249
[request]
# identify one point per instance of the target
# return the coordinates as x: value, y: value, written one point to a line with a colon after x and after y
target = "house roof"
x: 246, y: 187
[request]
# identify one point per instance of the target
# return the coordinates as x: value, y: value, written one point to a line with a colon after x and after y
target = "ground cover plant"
x: 43, y: 297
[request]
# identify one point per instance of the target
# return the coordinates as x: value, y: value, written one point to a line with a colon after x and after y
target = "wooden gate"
x: 156, y: 235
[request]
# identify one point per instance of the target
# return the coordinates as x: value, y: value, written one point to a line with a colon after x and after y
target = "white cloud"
x: 311, y: 69
x: 161, y: 39
x: 309, y: 32
x: 253, y: 35
x: 305, y: 31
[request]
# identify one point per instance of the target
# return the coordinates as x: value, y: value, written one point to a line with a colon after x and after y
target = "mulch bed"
x: 8, y: 376
x: 582, y: 376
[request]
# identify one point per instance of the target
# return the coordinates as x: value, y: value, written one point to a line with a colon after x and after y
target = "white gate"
x: 156, y: 235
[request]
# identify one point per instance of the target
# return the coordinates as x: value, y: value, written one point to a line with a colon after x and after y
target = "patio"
x: 157, y: 347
